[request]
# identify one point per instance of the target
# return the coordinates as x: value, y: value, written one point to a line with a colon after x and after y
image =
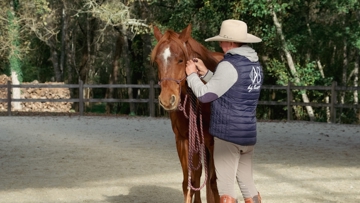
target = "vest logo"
x: 255, y: 77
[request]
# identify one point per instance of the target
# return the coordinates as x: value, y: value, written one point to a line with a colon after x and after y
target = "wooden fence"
x: 333, y: 89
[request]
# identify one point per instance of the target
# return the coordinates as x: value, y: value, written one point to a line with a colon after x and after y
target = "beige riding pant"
x: 234, y: 163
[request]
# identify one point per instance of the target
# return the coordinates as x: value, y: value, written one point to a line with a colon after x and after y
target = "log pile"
x: 38, y: 93
x: 3, y: 91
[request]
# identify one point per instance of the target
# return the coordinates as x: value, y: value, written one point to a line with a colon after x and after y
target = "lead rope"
x: 196, y: 141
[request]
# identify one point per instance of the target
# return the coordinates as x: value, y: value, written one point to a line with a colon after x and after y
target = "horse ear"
x: 157, y: 33
x: 186, y: 33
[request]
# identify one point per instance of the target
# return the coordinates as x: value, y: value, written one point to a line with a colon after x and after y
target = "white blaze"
x: 166, y: 54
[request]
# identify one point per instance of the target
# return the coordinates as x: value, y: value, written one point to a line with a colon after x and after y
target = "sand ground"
x: 133, y: 159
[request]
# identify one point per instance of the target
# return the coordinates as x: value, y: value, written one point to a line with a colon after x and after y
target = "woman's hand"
x: 190, y: 67
x: 196, y: 65
x: 202, y: 70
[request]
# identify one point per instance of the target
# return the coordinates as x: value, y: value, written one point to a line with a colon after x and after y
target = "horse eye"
x: 180, y: 61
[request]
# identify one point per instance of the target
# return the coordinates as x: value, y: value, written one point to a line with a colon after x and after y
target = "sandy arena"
x: 134, y: 160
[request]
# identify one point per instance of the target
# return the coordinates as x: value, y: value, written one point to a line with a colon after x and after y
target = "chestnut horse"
x: 170, y: 54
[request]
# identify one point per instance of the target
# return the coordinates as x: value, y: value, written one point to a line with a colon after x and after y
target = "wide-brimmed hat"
x: 234, y: 31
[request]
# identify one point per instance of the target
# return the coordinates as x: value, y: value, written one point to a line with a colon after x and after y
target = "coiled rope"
x: 196, y: 140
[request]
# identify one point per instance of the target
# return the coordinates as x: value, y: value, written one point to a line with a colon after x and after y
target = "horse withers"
x: 170, y: 55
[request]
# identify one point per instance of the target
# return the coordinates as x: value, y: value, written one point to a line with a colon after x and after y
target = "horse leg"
x: 182, y: 149
x: 195, y: 178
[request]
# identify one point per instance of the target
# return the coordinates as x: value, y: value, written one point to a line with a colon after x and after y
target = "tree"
x: 109, y: 41
x: 298, y: 37
x: 312, y: 31
x: 42, y: 19
x: 14, y: 51
x: 117, y: 16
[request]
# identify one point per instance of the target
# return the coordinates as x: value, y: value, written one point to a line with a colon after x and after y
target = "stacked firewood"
x: 38, y: 93
x: 3, y: 81
x: 3, y: 91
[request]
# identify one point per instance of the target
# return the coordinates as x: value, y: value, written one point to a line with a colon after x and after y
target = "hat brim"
x: 249, y: 39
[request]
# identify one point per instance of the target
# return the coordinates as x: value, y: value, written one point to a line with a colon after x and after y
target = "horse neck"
x: 210, y: 62
x: 184, y: 91
x: 198, y: 50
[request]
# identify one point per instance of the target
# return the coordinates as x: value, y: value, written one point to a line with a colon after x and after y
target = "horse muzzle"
x: 169, y: 103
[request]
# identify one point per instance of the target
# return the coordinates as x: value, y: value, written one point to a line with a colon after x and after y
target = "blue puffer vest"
x: 233, y: 115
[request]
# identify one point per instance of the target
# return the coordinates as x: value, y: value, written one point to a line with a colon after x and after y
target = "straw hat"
x: 234, y: 31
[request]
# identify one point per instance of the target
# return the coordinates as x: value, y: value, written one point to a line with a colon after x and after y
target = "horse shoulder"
x: 179, y: 124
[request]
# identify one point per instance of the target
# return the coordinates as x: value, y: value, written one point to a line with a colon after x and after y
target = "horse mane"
x: 194, y: 49
x: 203, y: 53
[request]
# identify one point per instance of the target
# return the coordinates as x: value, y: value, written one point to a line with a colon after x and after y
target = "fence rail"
x: 334, y: 89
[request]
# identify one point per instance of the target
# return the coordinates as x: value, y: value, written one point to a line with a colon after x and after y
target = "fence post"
x: 289, y: 99
x: 151, y: 99
x: 9, y: 97
x: 333, y: 102
x: 81, y: 98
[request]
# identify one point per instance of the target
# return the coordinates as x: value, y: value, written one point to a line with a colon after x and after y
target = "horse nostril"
x: 159, y: 100
x: 172, y: 100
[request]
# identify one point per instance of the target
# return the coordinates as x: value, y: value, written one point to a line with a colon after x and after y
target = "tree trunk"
x: 113, y: 78
x: 321, y: 70
x: 291, y: 65
x: 146, y: 39
x: 86, y: 62
x: 63, y: 40
x: 69, y: 48
x: 54, y: 57
x: 344, y: 72
x: 327, y: 98
x: 343, y: 77
x: 356, y: 80
x: 357, y: 74
x: 128, y: 69
x: 89, y: 61
x: 14, y: 55
x: 71, y: 67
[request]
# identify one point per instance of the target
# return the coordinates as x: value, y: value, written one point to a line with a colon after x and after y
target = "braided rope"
x: 182, y: 107
x: 196, y: 141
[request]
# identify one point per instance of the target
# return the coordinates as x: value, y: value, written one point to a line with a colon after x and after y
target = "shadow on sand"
x: 148, y: 194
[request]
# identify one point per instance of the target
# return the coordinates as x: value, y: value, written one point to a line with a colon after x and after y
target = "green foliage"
x: 348, y: 116
x: 278, y: 70
x: 39, y: 73
x: 116, y: 14
x: 36, y: 64
x: 312, y: 31
x: 205, y: 16
x: 309, y: 74
x: 258, y: 8
x: 96, y: 108
x: 40, y: 8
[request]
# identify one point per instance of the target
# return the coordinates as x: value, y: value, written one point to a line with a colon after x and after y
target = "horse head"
x: 170, y: 54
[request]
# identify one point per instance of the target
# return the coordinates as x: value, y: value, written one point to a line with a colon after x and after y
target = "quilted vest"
x: 233, y: 115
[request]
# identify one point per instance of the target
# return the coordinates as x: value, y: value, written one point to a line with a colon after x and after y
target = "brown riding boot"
x: 249, y: 200
x: 227, y: 199
x: 255, y: 199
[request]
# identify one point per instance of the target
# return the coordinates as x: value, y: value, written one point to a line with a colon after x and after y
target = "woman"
x: 234, y: 90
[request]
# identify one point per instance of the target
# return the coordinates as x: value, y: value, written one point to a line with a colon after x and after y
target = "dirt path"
x: 116, y: 160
